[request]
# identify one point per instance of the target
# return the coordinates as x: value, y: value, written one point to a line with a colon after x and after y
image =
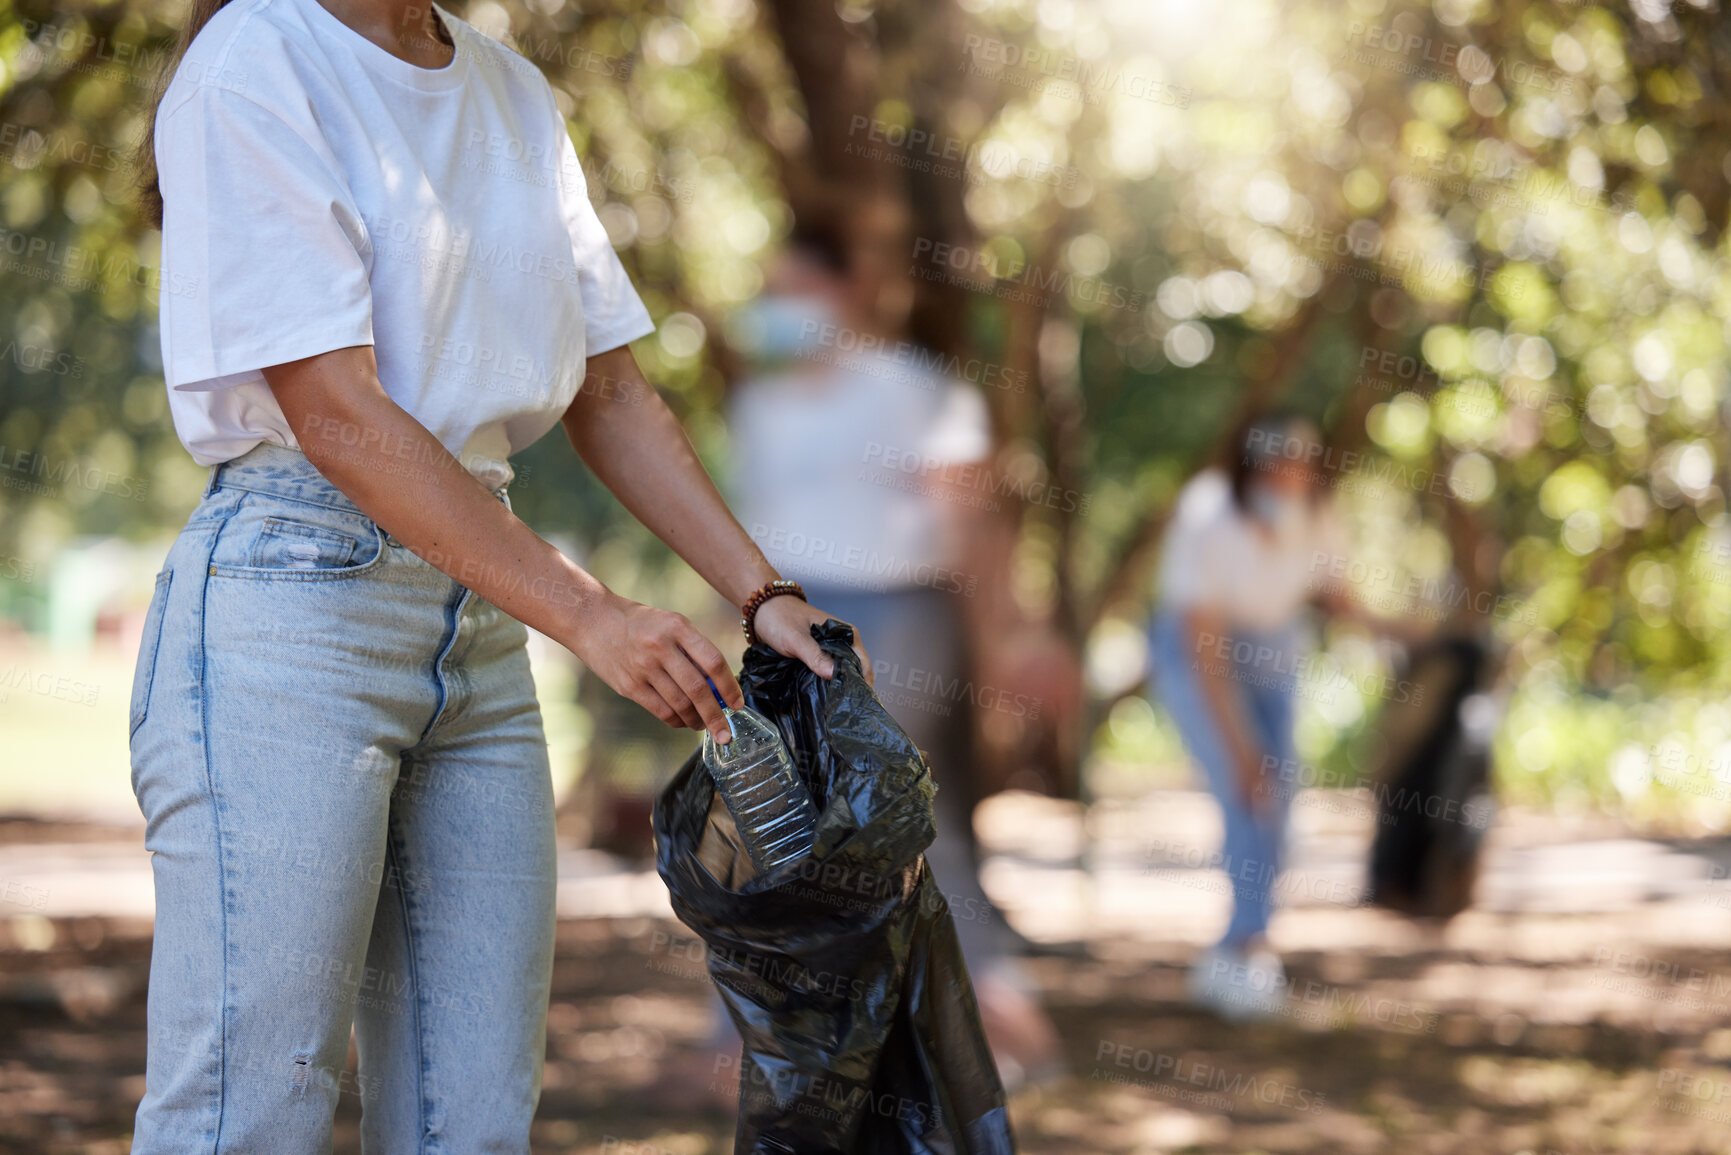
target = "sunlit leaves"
x: 1522, y: 294
x: 1577, y: 496
x: 1442, y: 105
x: 1402, y: 425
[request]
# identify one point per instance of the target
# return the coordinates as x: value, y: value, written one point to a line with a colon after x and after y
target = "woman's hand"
x: 659, y: 660
x: 1254, y: 787
x: 784, y: 625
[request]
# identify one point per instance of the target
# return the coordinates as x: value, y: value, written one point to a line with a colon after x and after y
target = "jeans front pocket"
x: 271, y: 538
x: 145, y: 672
x: 284, y: 544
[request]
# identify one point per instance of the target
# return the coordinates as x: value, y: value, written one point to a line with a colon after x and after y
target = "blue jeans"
x: 339, y: 755
x: 1259, y: 668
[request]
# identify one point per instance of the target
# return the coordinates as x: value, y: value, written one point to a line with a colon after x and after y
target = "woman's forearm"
x: 399, y: 475
x: 1205, y: 630
x: 634, y: 444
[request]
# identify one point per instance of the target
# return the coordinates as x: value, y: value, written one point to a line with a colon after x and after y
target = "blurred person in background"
x: 850, y: 469
x: 1247, y: 553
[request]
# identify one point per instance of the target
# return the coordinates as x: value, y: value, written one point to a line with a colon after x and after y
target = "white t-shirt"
x: 1215, y: 556
x: 320, y: 193
x: 835, y: 473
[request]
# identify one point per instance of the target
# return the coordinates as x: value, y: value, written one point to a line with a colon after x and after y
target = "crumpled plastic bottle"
x: 756, y: 778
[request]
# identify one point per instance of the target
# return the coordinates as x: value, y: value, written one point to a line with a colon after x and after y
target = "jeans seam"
x: 395, y: 856
x: 229, y: 483
x: 137, y: 715
x: 350, y: 508
x: 453, y: 628
x: 216, y: 825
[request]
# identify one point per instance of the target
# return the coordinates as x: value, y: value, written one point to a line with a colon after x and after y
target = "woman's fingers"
x: 865, y: 662
x: 678, y: 698
x: 676, y: 663
x: 784, y: 624
x: 806, y: 649
x: 703, y: 654
x: 690, y: 679
x: 651, y: 698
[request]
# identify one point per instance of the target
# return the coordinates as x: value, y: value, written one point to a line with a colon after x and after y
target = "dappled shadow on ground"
x: 1358, y: 1065
x: 1583, y: 1006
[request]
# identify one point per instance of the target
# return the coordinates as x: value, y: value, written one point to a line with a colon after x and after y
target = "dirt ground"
x: 1517, y: 1030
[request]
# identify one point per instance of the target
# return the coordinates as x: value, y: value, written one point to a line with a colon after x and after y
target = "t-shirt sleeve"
x: 613, y: 313
x: 261, y: 244
x: 961, y: 430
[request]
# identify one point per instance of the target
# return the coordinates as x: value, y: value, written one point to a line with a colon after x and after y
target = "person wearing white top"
x: 853, y: 473
x: 1247, y: 551
x: 381, y: 278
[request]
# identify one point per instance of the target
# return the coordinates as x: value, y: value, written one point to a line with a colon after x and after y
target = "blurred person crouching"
x: 1238, y: 569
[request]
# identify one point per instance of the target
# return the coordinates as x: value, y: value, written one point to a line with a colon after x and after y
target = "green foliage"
x: 1511, y: 216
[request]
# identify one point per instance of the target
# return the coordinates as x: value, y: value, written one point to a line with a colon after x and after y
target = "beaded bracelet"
x: 763, y: 593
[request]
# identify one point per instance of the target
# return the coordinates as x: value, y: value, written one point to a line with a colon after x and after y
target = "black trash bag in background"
x: 842, y: 972
x: 1437, y: 800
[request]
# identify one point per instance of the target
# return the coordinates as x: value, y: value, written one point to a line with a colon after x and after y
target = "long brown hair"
x: 144, y: 160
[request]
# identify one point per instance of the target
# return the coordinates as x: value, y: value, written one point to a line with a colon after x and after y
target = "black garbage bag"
x: 842, y: 971
x: 1435, y: 797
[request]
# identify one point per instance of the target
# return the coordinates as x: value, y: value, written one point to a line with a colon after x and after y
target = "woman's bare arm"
x: 399, y: 475
x: 1205, y: 630
x: 631, y: 440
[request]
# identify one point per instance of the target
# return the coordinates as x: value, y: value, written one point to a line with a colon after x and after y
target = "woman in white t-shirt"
x: 1246, y: 552
x: 381, y: 278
